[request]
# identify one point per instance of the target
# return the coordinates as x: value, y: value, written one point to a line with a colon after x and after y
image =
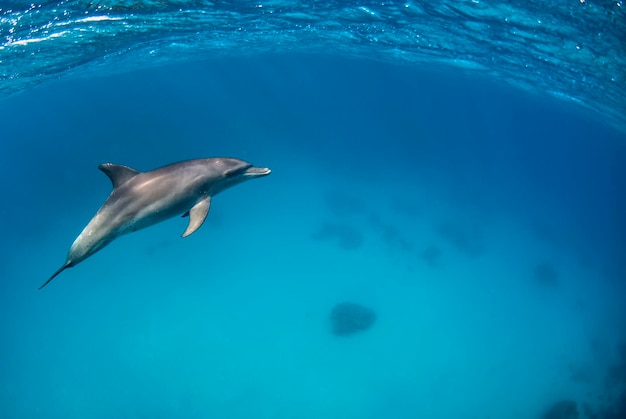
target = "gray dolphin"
x: 141, y: 199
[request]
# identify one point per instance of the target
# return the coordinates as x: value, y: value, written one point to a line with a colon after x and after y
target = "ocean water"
x: 458, y: 169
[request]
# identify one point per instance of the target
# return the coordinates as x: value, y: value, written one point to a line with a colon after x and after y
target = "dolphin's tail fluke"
x: 61, y: 269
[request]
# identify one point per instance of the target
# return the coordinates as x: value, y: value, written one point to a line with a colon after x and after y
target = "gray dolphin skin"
x: 141, y: 199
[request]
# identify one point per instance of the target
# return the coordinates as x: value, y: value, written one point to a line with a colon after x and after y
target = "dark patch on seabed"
x: 466, y: 239
x: 349, y: 318
x: 609, y: 404
x: 432, y: 256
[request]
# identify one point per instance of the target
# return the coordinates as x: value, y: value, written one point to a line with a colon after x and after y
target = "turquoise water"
x: 476, y: 208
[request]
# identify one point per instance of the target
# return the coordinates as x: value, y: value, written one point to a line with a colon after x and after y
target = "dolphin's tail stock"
x: 61, y: 269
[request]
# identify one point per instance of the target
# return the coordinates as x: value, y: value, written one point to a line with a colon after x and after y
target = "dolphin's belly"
x: 140, y: 209
x: 156, y: 213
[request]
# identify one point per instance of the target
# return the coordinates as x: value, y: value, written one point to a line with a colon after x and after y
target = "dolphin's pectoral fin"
x: 117, y: 173
x: 197, y: 215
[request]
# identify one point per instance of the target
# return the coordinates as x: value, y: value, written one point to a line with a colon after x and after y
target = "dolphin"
x: 141, y: 199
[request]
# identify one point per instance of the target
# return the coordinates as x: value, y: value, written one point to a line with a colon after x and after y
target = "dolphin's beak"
x: 257, y: 171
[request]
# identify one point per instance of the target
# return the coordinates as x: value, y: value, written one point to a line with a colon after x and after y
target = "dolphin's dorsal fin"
x: 197, y: 215
x: 117, y: 173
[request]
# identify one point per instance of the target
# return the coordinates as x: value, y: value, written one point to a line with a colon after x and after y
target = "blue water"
x: 469, y: 187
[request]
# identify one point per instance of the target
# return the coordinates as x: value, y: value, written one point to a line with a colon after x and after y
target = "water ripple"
x: 573, y: 50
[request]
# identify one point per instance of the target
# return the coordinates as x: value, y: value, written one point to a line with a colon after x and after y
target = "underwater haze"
x: 457, y: 171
